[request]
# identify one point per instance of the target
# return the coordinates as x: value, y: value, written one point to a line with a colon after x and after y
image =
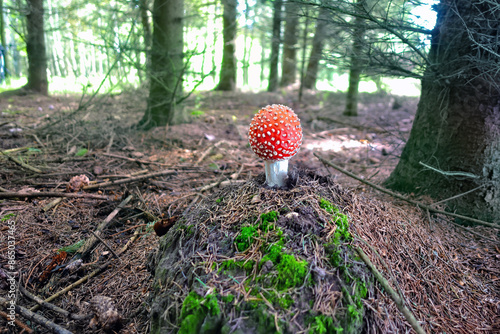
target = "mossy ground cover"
x: 262, y: 261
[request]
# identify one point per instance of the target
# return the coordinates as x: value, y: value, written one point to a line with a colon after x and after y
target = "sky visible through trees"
x: 88, y: 40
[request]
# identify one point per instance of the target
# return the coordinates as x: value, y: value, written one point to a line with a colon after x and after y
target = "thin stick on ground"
x: 22, y: 164
x: 30, y: 315
x: 96, y: 234
x: 18, y: 322
x: 393, y: 294
x: 50, y: 306
x: 420, y: 205
x: 92, y: 241
x: 130, y: 179
x: 5, y: 195
x: 89, y: 276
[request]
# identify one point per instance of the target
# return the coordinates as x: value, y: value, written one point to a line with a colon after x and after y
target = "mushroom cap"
x: 275, y: 133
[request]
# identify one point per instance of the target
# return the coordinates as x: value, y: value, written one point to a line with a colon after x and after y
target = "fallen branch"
x: 73, y: 285
x: 18, y: 322
x: 37, y: 318
x: 129, y: 180
x: 393, y: 294
x: 22, y: 164
x: 90, y: 275
x: 52, y: 307
x: 92, y: 241
x: 420, y: 205
x: 140, y: 161
x: 4, y: 195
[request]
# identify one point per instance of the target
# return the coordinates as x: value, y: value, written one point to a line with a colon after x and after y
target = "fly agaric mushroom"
x: 275, y: 135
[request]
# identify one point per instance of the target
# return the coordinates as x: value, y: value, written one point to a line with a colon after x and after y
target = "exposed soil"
x: 449, y: 276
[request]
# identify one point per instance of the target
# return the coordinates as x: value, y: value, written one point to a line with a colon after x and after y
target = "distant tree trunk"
x: 356, y: 68
x: 290, y: 38
x: 247, y: 50
x: 3, y: 40
x: 275, y: 47
x: 227, y: 79
x: 35, y: 48
x: 317, y: 49
x: 262, y: 56
x: 166, y: 63
x: 146, y: 30
x: 457, y: 126
x: 146, y: 35
x: 305, y: 34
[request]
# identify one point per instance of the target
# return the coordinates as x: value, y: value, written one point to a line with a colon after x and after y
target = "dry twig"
x: 393, y: 294
x: 30, y: 315
x: 22, y: 164
x: 130, y: 179
x: 50, y: 194
x: 50, y: 306
x: 17, y: 322
x: 420, y: 205
x: 92, y: 241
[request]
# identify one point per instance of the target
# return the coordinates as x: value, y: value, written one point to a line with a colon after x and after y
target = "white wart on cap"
x: 275, y: 135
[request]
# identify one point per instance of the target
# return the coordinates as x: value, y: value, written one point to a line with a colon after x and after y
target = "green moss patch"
x: 272, y: 261
x: 195, y: 309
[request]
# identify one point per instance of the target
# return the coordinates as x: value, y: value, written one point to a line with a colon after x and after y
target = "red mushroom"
x: 275, y: 135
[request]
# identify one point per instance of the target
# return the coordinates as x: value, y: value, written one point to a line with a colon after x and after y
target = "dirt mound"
x: 250, y: 259
x: 262, y: 260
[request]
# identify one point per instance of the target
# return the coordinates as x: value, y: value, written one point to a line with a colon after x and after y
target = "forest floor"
x: 49, y: 144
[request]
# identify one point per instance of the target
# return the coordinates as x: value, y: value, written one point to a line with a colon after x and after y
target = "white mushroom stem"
x: 276, y: 172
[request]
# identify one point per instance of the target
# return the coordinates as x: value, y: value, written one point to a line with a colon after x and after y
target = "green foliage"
x: 245, y: 239
x: 34, y: 150
x: 323, y: 324
x: 81, y: 152
x: 7, y: 217
x: 274, y: 252
x: 218, y: 200
x: 334, y: 254
x: 267, y: 219
x: 339, y: 219
x: 291, y: 272
x: 195, y: 309
x: 353, y: 312
x: 213, y: 166
x: 232, y: 265
x: 248, y: 233
x: 228, y: 299
x: 72, y: 248
x: 197, y: 113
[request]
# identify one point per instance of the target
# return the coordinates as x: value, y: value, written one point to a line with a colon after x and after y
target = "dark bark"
x: 166, y: 63
x: 457, y: 125
x: 356, y: 66
x: 317, y: 49
x: 2, y: 39
x: 35, y: 48
x: 227, y: 81
x: 146, y: 30
x: 290, y: 39
x: 275, y: 47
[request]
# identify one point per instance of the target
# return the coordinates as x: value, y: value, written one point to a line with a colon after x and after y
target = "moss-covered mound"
x: 250, y: 259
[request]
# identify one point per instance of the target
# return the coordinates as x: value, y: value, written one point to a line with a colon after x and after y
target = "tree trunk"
x: 457, y: 125
x: 146, y: 30
x: 166, y: 63
x: 317, y: 49
x: 289, y: 66
x: 3, y: 49
x: 227, y: 79
x: 35, y: 48
x: 275, y: 47
x: 356, y: 67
